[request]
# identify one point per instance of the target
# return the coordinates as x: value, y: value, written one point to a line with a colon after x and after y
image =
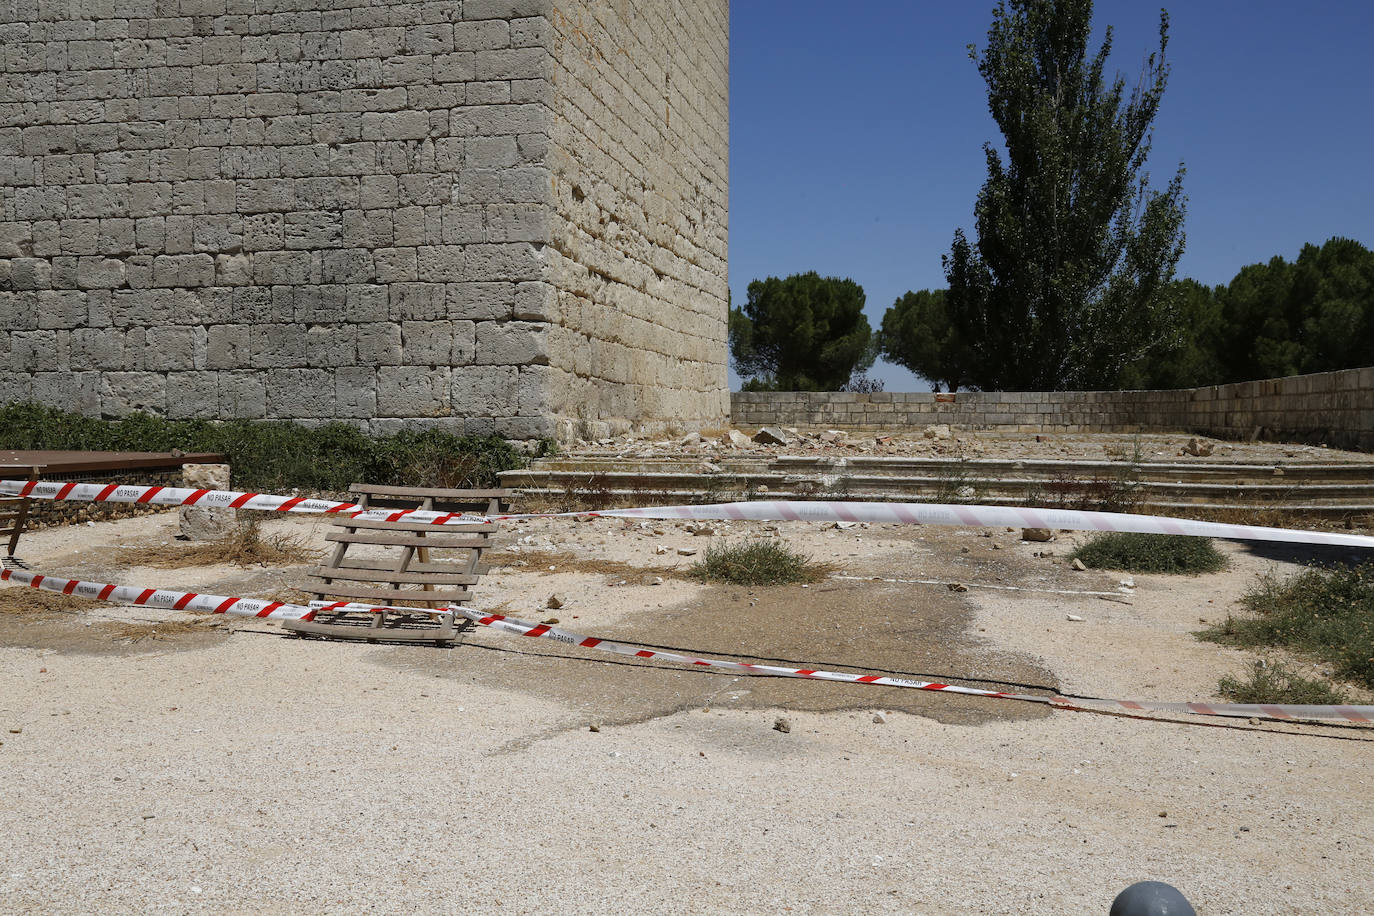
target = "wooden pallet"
x: 14, y: 510
x: 430, y: 567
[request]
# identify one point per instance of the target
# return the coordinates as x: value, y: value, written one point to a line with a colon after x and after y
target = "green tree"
x: 1195, y: 361
x: 802, y: 333
x: 1261, y: 331
x: 1069, y: 279
x: 918, y: 334
x: 1313, y: 315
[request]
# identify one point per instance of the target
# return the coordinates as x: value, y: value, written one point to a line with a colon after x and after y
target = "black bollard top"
x: 1151, y: 898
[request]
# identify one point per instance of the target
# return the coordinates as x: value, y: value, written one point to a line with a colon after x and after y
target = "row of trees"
x: 1069, y: 282
x: 1314, y: 314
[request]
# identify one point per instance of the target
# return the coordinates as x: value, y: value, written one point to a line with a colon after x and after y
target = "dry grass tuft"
x: 22, y: 601
x: 539, y: 561
x: 167, y: 629
x: 245, y: 546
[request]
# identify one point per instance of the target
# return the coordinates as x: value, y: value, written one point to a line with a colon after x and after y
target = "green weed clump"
x: 276, y: 455
x: 764, y: 562
x: 1276, y: 683
x: 1147, y: 553
x: 1326, y: 613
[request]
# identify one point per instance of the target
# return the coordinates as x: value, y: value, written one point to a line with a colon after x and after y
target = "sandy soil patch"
x: 250, y: 772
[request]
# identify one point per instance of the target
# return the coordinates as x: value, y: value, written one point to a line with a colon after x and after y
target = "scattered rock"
x: 1128, y: 582
x: 879, y: 718
x: 593, y: 727
x: 549, y: 622
x: 1074, y: 617
x: 660, y: 550
x: 937, y: 431
x: 782, y: 725
x: 691, y: 440
x: 735, y: 438
x: 1199, y: 448
x: 658, y: 580
x: 965, y: 492
x: 1037, y: 534
x: 957, y: 587
x: 771, y: 435
x: 686, y: 551
x: 703, y: 531
x: 199, y: 524
x: 16, y: 731
x: 556, y: 601
x: 1078, y: 565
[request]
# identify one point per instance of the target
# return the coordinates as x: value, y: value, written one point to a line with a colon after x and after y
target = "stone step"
x: 1325, y: 490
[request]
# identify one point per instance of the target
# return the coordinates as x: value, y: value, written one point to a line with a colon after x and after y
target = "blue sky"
x: 856, y: 133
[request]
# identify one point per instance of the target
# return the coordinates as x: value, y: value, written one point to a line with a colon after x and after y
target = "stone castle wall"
x: 640, y: 228
x: 319, y: 210
x: 1335, y: 408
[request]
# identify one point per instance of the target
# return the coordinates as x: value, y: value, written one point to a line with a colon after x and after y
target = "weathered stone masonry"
x: 1335, y: 408
x: 499, y: 216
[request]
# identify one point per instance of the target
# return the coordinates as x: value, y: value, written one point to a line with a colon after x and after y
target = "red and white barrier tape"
x: 819, y: 511
x: 1363, y: 715
x: 276, y: 610
x: 158, y: 597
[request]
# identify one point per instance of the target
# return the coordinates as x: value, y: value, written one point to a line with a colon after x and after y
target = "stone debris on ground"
x: 771, y: 435
x: 1198, y: 448
x: 826, y: 441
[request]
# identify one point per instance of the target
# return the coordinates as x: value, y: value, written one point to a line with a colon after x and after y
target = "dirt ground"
x: 153, y: 762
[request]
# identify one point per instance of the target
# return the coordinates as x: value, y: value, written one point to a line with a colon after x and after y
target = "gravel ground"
x: 245, y: 772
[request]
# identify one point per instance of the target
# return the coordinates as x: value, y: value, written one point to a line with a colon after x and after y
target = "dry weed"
x: 166, y: 629
x: 245, y: 546
x: 539, y: 561
x: 22, y: 601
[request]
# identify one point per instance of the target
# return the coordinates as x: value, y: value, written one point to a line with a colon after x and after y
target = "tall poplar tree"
x: 1068, y: 281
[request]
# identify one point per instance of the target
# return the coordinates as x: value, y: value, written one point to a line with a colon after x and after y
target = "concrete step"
x: 1331, y: 490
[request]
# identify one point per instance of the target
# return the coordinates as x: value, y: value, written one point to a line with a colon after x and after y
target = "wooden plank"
x: 441, y: 633
x: 410, y: 576
x: 456, y: 495
x: 412, y: 526
x: 388, y: 595
x: 400, y: 539
x: 384, y: 565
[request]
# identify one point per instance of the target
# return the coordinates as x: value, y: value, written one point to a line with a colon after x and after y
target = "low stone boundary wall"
x: 1335, y: 408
